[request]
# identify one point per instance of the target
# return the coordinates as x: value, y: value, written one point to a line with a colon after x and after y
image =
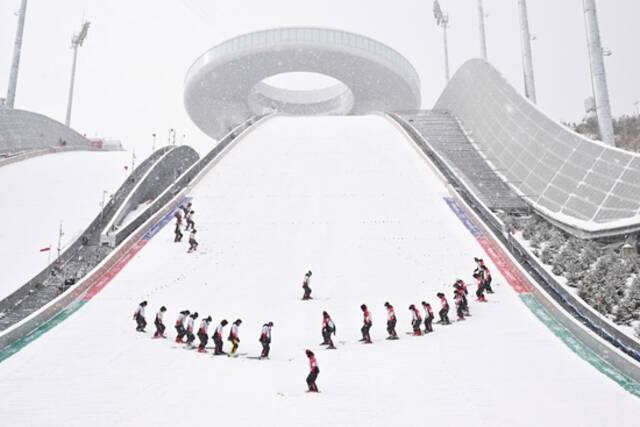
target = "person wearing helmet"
x: 160, y: 328
x: 180, y: 325
x: 203, y: 334
x: 189, y: 219
x: 328, y: 329
x: 444, y: 309
x: 193, y: 243
x: 366, y: 327
x: 305, y: 286
x: 313, y: 372
x: 391, y: 322
x: 265, y: 340
x: 190, y: 325
x: 416, y: 320
x: 217, y: 337
x: 428, y: 318
x: 138, y: 316
x: 234, y: 336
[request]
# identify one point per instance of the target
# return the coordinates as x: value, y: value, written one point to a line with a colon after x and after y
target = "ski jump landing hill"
x: 381, y: 209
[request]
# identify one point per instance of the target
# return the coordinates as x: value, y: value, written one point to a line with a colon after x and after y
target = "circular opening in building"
x: 301, y: 80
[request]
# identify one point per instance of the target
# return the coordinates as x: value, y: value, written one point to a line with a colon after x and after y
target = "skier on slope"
x: 234, y: 336
x: 189, y: 219
x: 265, y: 340
x: 391, y: 322
x: 313, y: 371
x: 305, y: 286
x: 461, y: 287
x: 190, y: 325
x: 193, y: 243
x: 203, y: 334
x: 186, y: 209
x: 178, y: 233
x: 428, y: 318
x: 217, y: 337
x: 366, y: 326
x: 458, y: 298
x: 416, y: 320
x: 180, y: 325
x: 178, y: 216
x: 328, y: 329
x: 138, y: 316
x: 486, y: 276
x: 160, y: 328
x: 444, y: 309
x: 478, y: 275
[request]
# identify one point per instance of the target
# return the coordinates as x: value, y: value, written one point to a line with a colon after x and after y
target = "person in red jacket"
x: 458, y: 298
x: 180, y: 325
x: 444, y: 309
x: 416, y: 320
x: 428, y: 318
x: 366, y: 327
x: 305, y: 286
x: 203, y: 334
x: 265, y: 340
x: 217, y: 337
x: 234, y: 336
x: 313, y: 372
x: 391, y: 322
x: 480, y: 283
x: 461, y: 287
x: 160, y: 328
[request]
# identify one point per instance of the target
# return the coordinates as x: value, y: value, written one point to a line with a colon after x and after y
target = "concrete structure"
x: 225, y: 85
x: 23, y: 131
x: 583, y: 186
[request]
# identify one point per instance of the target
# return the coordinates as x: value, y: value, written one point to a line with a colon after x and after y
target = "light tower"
x: 17, y: 50
x: 527, y: 57
x: 483, y: 38
x: 442, y: 20
x: 598, y: 74
x: 76, y: 41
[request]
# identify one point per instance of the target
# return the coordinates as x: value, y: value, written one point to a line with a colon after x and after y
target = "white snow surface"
x: 352, y: 200
x: 37, y: 194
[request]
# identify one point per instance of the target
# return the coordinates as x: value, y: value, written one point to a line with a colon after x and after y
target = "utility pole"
x: 60, y: 234
x: 527, y: 57
x: 76, y: 41
x: 442, y: 20
x: 598, y: 73
x: 483, y: 39
x: 153, y: 147
x: 17, y: 50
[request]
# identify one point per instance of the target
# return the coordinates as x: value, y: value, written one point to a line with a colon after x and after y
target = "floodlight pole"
x: 76, y: 42
x: 483, y: 39
x: 17, y: 50
x: 527, y: 57
x: 445, y: 25
x: 598, y: 73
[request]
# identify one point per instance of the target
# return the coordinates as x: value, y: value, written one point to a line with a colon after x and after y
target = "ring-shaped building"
x: 225, y: 85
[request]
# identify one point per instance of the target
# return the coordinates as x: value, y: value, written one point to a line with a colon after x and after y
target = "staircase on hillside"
x: 443, y: 133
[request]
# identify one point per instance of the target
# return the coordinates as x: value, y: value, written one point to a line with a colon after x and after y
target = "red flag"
x: 47, y: 249
x: 126, y: 168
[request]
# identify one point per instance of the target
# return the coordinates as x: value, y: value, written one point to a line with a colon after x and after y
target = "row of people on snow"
x: 481, y: 274
x: 186, y: 213
x: 186, y: 332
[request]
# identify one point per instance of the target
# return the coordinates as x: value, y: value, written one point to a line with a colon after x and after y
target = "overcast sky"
x: 132, y: 66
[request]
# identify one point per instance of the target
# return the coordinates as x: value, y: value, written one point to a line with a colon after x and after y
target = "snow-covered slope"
x: 350, y: 199
x: 39, y: 193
